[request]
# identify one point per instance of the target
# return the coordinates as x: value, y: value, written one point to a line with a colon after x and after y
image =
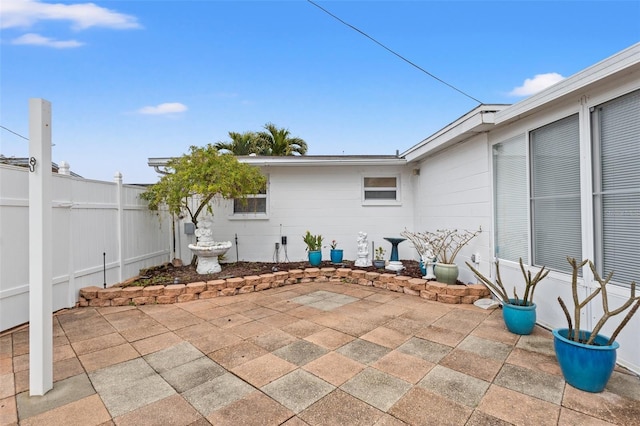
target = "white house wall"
x: 325, y: 200
x: 454, y: 190
x: 454, y: 193
x: 559, y: 284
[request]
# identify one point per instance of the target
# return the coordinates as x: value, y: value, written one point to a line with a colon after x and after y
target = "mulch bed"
x: 170, y: 274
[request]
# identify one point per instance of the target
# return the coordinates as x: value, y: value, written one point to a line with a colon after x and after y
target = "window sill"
x: 248, y: 216
x: 369, y: 203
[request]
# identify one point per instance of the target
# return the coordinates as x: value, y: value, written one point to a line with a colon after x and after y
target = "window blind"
x: 555, y: 193
x: 616, y: 140
x: 510, y: 199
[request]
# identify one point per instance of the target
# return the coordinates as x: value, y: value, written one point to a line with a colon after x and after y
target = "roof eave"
x: 479, y: 120
x: 306, y: 160
x: 311, y: 161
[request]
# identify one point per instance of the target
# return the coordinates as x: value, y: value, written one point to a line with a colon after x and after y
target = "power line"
x: 15, y: 133
x: 391, y: 51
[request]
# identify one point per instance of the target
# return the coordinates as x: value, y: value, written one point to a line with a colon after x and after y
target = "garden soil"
x: 170, y: 274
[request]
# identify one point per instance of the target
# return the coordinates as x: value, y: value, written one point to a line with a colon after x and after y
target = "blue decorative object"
x: 336, y: 255
x: 394, y: 247
x: 315, y: 257
x: 586, y: 367
x: 519, y: 319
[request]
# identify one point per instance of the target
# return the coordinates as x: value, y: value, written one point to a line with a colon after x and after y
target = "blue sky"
x: 130, y: 80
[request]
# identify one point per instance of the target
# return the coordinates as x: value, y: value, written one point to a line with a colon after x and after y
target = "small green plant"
x: 313, y: 242
x: 498, y: 289
x: 334, y: 244
x: 379, y: 253
x: 578, y: 335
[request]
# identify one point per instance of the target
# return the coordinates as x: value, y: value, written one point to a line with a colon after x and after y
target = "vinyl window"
x: 616, y: 186
x: 555, y: 193
x: 380, y: 189
x: 510, y: 199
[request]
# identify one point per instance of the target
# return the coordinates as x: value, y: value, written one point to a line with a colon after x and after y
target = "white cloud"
x: 536, y: 84
x: 38, y: 40
x: 25, y: 13
x: 166, y: 108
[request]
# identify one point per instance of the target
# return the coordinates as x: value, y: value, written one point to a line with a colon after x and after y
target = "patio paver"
x: 363, y: 351
x: 297, y: 390
x: 129, y: 385
x: 376, y: 388
x: 380, y: 358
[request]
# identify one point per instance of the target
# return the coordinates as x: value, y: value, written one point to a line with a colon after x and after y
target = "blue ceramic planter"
x: 586, y: 367
x: 315, y: 258
x: 519, y: 319
x: 336, y: 255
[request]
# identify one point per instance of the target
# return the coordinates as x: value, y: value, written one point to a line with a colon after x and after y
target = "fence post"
x: 40, y: 249
x: 121, y: 236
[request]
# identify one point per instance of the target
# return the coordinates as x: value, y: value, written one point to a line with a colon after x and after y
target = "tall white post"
x: 40, y: 249
x: 120, y: 200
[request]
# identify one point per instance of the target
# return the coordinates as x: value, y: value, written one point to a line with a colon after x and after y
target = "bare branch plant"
x: 575, y: 333
x: 498, y: 289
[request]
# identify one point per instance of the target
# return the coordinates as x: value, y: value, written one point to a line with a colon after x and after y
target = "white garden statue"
x: 428, y: 260
x: 363, y: 251
x: 206, y: 248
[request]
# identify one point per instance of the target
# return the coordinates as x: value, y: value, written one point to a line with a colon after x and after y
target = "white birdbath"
x: 206, y: 249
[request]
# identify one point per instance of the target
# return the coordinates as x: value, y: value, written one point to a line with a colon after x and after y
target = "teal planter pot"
x: 336, y: 255
x: 315, y: 258
x: 586, y: 367
x: 519, y: 319
x: 446, y: 273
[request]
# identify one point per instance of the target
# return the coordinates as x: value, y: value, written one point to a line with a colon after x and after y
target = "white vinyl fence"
x: 102, y: 233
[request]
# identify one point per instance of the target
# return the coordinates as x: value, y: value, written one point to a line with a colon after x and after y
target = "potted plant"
x: 519, y: 314
x: 314, y: 248
x: 379, y: 253
x: 587, y: 358
x: 336, y: 253
x: 446, y: 244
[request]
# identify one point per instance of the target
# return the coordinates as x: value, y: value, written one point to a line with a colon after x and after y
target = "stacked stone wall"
x: 176, y: 293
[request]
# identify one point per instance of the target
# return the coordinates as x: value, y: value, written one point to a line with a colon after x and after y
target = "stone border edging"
x: 176, y: 293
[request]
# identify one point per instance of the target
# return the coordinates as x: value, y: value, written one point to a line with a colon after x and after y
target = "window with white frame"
x: 380, y: 189
x: 615, y: 129
x: 510, y: 199
x: 251, y: 205
x: 556, y: 230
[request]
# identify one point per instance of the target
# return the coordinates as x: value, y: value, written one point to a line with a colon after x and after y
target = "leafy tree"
x: 278, y: 142
x: 202, y: 174
x: 241, y: 144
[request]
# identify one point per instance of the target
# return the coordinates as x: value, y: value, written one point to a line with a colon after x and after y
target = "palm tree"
x: 241, y: 144
x: 278, y: 142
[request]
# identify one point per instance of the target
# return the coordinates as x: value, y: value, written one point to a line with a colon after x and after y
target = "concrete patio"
x: 314, y: 353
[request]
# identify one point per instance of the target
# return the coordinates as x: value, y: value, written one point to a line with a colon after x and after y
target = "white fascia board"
x: 311, y: 161
x: 305, y: 161
x: 624, y: 61
x: 479, y: 120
